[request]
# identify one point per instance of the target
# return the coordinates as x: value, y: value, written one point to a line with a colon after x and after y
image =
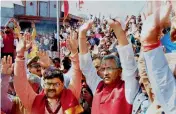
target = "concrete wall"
x: 18, y: 10
x: 44, y: 9
x: 53, y: 9
x: 31, y: 10
x: 42, y: 26
x: 6, y: 14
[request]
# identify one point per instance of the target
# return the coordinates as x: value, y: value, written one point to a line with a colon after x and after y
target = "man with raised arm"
x: 112, y: 95
x: 162, y: 80
x: 56, y: 99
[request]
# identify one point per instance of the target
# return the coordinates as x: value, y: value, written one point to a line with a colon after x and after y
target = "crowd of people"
x: 48, y: 43
x: 109, y: 66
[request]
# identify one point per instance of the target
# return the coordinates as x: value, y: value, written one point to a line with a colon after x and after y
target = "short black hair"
x: 66, y: 63
x: 53, y: 72
x: 56, y: 59
x: 115, y: 58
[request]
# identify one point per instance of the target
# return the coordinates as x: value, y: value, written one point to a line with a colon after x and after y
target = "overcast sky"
x: 105, y: 7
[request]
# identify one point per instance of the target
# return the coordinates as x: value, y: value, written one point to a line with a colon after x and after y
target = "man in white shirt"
x: 162, y: 80
x: 112, y: 94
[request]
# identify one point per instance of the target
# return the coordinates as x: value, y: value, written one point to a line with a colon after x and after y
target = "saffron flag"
x: 66, y: 9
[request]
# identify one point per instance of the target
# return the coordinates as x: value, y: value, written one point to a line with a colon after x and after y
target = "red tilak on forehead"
x: 105, y: 64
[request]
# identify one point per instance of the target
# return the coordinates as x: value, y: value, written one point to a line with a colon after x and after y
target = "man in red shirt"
x: 8, y: 41
x: 8, y: 38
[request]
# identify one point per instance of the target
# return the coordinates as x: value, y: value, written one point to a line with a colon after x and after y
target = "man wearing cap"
x: 34, y: 66
x: 35, y: 71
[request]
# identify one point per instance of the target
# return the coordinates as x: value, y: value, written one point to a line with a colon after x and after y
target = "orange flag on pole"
x: 66, y: 9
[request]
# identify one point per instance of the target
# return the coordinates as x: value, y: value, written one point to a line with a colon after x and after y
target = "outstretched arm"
x: 6, y: 103
x: 34, y: 33
x: 21, y: 84
x: 86, y: 64
x: 75, y: 82
x: 127, y: 60
x: 143, y: 75
x: 7, y: 68
x: 161, y: 78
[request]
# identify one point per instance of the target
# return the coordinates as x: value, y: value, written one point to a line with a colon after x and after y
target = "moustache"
x: 38, y: 70
x: 51, y: 90
x: 105, y: 77
x: 7, y: 32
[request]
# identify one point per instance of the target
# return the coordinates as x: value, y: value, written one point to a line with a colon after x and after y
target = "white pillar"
x: 58, y: 11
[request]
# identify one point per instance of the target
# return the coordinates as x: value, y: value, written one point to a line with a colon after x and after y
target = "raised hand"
x: 32, y: 24
x: 151, y: 29
x: 7, y: 67
x: 29, y: 42
x: 83, y: 48
x: 116, y: 25
x: 21, y: 47
x: 44, y: 59
x: 72, y: 42
x: 165, y: 11
x: 13, y: 19
x: 85, y: 27
x: 152, y: 26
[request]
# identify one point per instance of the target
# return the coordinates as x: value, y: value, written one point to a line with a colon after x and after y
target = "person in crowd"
x: 66, y: 62
x: 102, y: 75
x: 154, y: 107
x: 56, y: 62
x: 53, y: 45
x: 41, y: 45
x: 104, y: 52
x: 8, y: 39
x: 97, y: 63
x: 1, y: 39
x: 34, y: 48
x: 141, y: 102
x: 34, y: 67
x: 166, y: 41
x: 98, y: 33
x: 86, y: 97
x: 46, y: 43
x: 160, y: 76
x: 105, y: 91
x: 56, y: 98
x: 13, y: 105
